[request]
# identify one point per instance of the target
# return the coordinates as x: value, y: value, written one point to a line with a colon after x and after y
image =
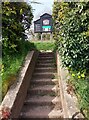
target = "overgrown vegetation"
x: 71, y: 32
x: 16, y: 18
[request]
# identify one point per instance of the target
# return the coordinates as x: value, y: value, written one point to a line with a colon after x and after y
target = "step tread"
x: 44, y: 87
x: 45, y: 58
x: 44, y: 73
x: 39, y: 99
x: 45, y: 63
x: 36, y: 112
x: 45, y: 68
x: 42, y: 80
x: 41, y: 112
x: 48, y: 61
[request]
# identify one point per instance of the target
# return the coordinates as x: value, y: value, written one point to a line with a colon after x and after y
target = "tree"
x: 16, y: 18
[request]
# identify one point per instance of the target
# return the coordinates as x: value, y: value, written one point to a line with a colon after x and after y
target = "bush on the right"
x: 71, y: 32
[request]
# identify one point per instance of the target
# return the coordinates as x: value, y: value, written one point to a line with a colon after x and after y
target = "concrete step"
x: 41, y: 112
x: 35, y: 112
x: 56, y: 114
x: 45, y: 75
x: 42, y: 81
x: 46, y: 65
x: 39, y: 100
x: 46, y: 54
x: 43, y: 101
x: 45, y: 69
x: 45, y: 58
x: 41, y: 90
x: 45, y: 61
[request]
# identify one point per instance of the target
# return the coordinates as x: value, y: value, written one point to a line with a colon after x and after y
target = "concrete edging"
x: 69, y: 103
x: 15, y: 96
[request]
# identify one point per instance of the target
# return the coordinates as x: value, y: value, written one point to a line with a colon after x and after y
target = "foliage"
x: 11, y: 66
x: 9, y: 71
x: 38, y: 36
x: 81, y: 84
x: 71, y: 32
x: 56, y: 24
x: 16, y: 18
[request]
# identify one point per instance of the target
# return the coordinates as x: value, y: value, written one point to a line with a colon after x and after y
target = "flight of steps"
x: 43, y: 98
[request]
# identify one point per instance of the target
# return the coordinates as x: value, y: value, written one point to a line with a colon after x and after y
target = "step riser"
x: 45, y: 70
x: 45, y: 76
x: 25, y: 117
x: 36, y: 104
x: 41, y: 92
x: 42, y: 82
x: 45, y: 58
x: 49, y: 54
x: 32, y: 118
x: 45, y: 65
x: 46, y: 61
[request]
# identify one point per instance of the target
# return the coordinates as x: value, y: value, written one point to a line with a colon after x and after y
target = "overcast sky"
x: 44, y: 7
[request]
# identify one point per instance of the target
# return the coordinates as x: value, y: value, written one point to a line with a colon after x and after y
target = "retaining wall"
x: 69, y: 103
x: 15, y: 96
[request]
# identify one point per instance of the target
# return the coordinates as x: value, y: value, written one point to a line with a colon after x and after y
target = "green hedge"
x: 73, y: 43
x: 71, y: 32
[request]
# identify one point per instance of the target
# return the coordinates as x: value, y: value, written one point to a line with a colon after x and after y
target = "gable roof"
x: 45, y: 14
x: 37, y: 20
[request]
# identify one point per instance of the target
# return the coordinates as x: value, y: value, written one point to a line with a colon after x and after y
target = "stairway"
x: 43, y: 98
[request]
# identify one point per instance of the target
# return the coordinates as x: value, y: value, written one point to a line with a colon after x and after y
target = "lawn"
x: 44, y: 45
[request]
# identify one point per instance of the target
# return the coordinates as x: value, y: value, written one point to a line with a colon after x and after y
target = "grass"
x: 44, y: 45
x: 10, y: 70
x: 11, y: 64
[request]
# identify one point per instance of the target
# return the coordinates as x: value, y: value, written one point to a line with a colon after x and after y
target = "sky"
x: 44, y: 7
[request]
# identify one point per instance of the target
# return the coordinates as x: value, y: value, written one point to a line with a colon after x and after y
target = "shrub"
x: 73, y: 43
x: 71, y: 32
